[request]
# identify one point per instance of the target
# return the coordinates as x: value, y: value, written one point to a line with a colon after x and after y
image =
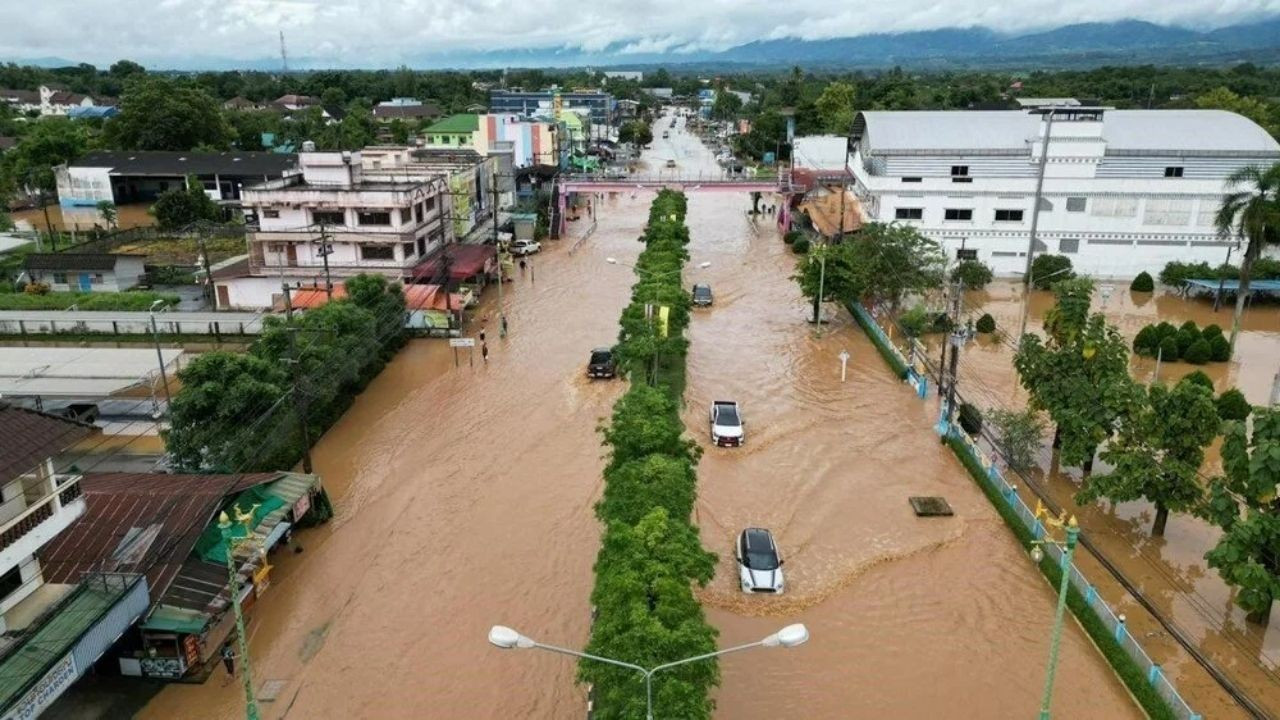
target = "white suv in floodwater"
x: 727, y: 426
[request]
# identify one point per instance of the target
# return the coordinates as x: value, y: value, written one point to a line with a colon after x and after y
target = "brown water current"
x: 464, y: 499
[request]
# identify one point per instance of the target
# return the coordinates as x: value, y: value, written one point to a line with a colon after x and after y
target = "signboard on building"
x: 301, y: 507
x: 46, y: 690
x: 459, y: 342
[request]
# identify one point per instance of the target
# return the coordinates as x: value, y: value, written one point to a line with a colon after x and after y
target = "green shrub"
x: 940, y: 322
x: 1049, y: 269
x: 1265, y: 268
x: 974, y: 274
x: 1146, y: 341
x: 1185, y: 338
x: 970, y: 419
x: 1190, y: 326
x: 1210, y: 331
x: 986, y: 324
x: 800, y: 246
x: 1198, y: 378
x: 792, y: 236
x: 1168, y: 349
x: 1164, y: 330
x: 1232, y: 405
x: 1142, y: 283
x: 1176, y: 273
x: 1219, y: 349
x: 1198, y: 353
x: 914, y: 321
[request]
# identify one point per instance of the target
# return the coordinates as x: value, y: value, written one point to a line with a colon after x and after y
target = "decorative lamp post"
x: 1067, y: 547
x: 225, y: 525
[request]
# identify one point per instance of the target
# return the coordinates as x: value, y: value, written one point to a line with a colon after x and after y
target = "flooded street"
x: 80, y: 218
x: 1169, y: 570
x: 464, y: 499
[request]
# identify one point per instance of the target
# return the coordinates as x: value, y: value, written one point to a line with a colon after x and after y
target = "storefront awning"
x: 176, y: 620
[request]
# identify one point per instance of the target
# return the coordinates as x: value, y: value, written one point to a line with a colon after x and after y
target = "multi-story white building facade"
x: 372, y: 222
x: 1123, y: 190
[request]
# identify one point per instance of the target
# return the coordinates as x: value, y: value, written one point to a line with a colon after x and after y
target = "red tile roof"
x: 416, y: 297
x: 180, y: 505
x: 30, y: 437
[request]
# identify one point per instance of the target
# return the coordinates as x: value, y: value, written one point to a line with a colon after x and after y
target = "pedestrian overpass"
x: 686, y: 182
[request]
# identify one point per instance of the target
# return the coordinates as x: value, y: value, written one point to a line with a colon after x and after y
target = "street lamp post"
x: 225, y: 526
x: 155, y: 335
x: 788, y: 637
x: 1067, y: 547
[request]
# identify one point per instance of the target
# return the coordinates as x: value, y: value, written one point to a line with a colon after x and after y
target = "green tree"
x: 1049, y: 269
x: 727, y: 106
x: 975, y: 274
x: 1243, y: 503
x: 183, y: 206
x: 1221, y: 98
x: 1250, y: 212
x: 645, y: 422
x: 158, y: 113
x: 1018, y: 435
x: 1080, y: 375
x: 107, y: 210
x: 634, y: 488
x: 29, y: 167
x: 835, y: 108
x: 1158, y: 449
x: 636, y: 132
x: 213, y: 420
x: 880, y: 263
x: 1142, y: 283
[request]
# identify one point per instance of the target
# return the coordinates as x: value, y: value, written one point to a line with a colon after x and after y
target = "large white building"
x: 1124, y: 190
x: 376, y: 221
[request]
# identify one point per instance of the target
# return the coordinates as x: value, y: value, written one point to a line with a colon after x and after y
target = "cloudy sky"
x: 386, y: 32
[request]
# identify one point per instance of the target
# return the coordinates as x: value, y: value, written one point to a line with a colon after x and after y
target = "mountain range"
x: 1081, y: 45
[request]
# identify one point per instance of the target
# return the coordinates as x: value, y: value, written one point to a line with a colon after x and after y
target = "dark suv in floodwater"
x: 702, y: 295
x: 602, y: 364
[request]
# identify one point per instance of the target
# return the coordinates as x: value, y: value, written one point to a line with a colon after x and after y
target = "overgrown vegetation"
x: 130, y: 300
x: 1046, y: 270
x: 879, y: 263
x: 1187, y: 342
x: 238, y: 412
x: 1018, y: 433
x: 651, y: 554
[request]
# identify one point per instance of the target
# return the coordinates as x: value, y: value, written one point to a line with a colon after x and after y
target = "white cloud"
x: 381, y: 32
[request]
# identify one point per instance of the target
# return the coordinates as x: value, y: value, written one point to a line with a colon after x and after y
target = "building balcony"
x: 51, y: 505
x: 367, y: 234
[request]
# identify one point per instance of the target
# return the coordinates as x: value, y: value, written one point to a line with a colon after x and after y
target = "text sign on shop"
x: 462, y: 342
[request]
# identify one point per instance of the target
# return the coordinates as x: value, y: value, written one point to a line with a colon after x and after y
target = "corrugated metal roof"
x: 30, y: 437
x: 168, y: 163
x: 77, y: 371
x: 74, y: 261
x: 1175, y: 131
x: 118, y: 503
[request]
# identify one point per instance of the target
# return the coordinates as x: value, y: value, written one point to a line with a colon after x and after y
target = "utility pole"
x: 204, y: 260
x: 1035, y: 223
x: 957, y: 337
x: 155, y: 335
x: 233, y: 586
x: 299, y: 393
x: 326, y: 248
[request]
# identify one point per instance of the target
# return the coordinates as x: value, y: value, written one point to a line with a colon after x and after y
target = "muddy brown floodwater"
x: 464, y: 499
x: 1169, y: 570
x: 81, y: 218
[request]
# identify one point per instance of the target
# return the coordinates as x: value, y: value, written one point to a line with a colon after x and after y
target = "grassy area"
x: 140, y: 300
x: 11, y: 265
x: 1133, y: 676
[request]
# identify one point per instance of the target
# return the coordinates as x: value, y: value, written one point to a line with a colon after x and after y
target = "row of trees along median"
x: 1153, y: 441
x: 233, y: 413
x: 646, y: 612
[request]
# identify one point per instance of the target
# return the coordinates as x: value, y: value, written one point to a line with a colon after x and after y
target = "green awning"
x: 175, y: 620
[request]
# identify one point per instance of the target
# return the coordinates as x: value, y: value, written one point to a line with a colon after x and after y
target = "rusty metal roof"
x: 31, y: 436
x: 140, y: 522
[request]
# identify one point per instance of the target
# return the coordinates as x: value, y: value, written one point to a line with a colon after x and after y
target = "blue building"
x: 601, y: 104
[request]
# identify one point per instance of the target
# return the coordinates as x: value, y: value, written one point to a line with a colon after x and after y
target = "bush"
x: 914, y: 321
x: 800, y: 246
x: 792, y: 236
x: 1142, y: 283
x: 1164, y: 330
x: 1018, y: 435
x: 1265, y: 268
x: 1146, y: 341
x: 1198, y: 378
x: 1198, y: 353
x: 1168, y: 349
x: 970, y: 419
x: 1211, y: 331
x: 36, y: 288
x: 1190, y: 326
x: 1232, y: 405
x: 1176, y: 273
x: 973, y: 273
x: 1185, y: 338
x: 986, y: 324
x: 1219, y: 348
x: 1049, y: 269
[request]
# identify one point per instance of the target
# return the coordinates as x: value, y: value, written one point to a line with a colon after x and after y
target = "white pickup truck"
x: 727, y: 426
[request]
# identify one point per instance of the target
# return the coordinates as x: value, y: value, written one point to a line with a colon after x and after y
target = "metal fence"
x: 994, y: 479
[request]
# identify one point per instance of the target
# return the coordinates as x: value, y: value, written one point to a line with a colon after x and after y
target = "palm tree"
x: 1250, y: 212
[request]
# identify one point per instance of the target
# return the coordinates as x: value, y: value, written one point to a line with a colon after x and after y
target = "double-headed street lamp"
x: 1067, y: 548
x: 788, y: 637
x: 650, y: 275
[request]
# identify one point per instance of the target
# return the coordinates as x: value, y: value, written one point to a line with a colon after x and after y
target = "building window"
x: 377, y: 252
x: 59, y: 278
x: 270, y: 213
x: 404, y: 216
x: 960, y: 173
x: 422, y: 246
x: 373, y: 217
x: 1077, y: 204
x: 1173, y: 172
x: 912, y: 179
x: 1167, y: 211
x: 429, y: 204
x: 1069, y: 246
x: 417, y: 213
x: 328, y: 217
x: 407, y: 248
x: 908, y: 214
x: 957, y: 214
x: 276, y: 247
x: 1008, y: 216
x: 10, y: 582
x: 1115, y: 206
x: 97, y: 279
